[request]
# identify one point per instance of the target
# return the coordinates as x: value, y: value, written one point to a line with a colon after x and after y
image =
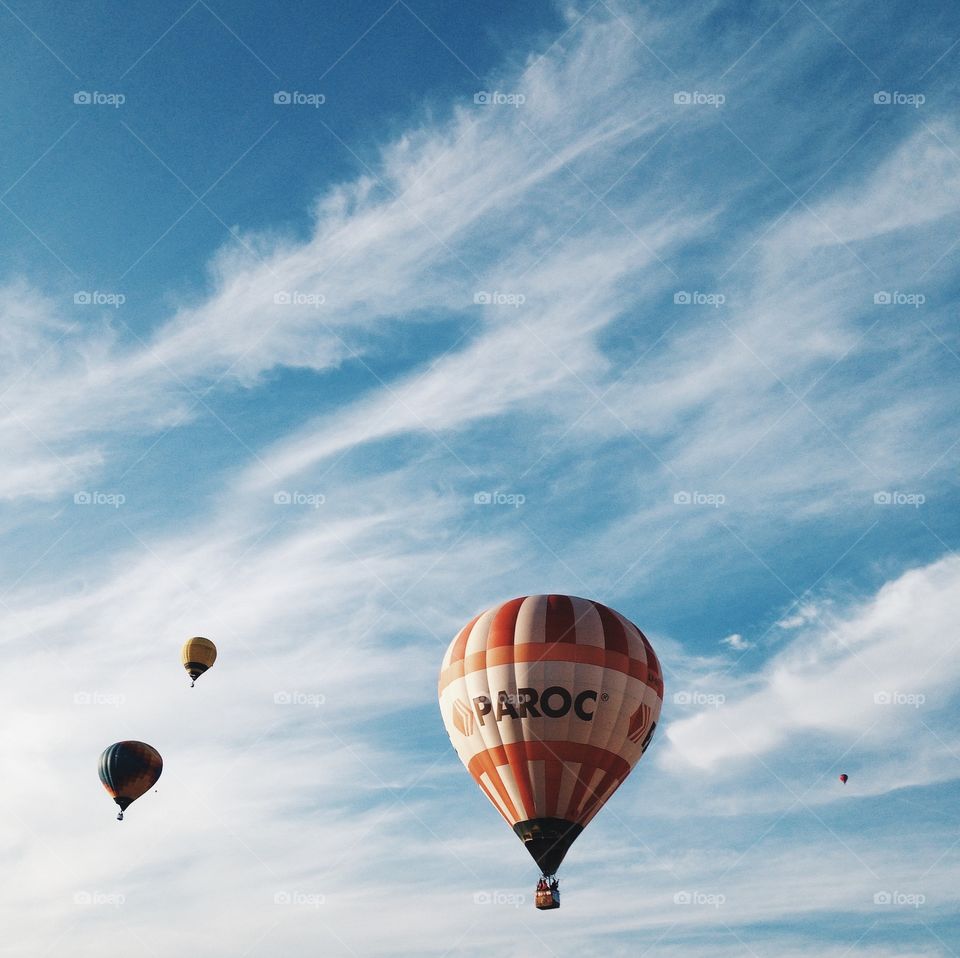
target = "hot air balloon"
x: 127, y: 770
x: 550, y: 700
x: 844, y: 777
x: 197, y: 655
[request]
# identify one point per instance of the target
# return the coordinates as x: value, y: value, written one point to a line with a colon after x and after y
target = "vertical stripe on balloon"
x: 560, y: 625
x: 459, y: 644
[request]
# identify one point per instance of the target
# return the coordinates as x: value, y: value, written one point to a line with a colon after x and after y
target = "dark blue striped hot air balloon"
x: 127, y: 770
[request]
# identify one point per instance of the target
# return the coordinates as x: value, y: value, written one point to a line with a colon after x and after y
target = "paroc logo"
x: 638, y: 726
x: 463, y: 719
x: 554, y: 702
x: 638, y: 723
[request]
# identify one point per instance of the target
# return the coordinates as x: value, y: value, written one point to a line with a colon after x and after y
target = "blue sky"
x: 685, y: 285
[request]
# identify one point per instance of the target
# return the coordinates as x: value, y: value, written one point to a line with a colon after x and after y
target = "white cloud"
x: 736, y: 642
x: 405, y: 237
x: 849, y: 677
x: 917, y: 184
x: 805, y: 612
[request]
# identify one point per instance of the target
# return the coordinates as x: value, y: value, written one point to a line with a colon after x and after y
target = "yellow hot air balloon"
x: 550, y: 701
x: 197, y: 655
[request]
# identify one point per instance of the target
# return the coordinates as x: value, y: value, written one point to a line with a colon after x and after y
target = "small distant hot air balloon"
x: 197, y: 655
x: 127, y: 770
x: 550, y: 701
x: 844, y: 777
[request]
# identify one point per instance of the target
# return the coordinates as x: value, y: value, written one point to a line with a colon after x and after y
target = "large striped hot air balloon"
x: 197, y: 655
x: 127, y: 770
x: 550, y: 700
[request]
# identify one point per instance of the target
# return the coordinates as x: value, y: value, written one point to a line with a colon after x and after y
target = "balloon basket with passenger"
x: 548, y: 893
